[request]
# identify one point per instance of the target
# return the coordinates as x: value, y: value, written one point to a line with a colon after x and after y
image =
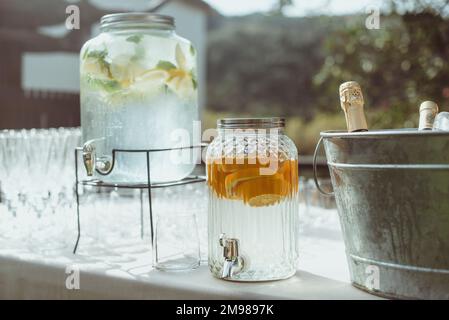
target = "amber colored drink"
x: 243, y: 179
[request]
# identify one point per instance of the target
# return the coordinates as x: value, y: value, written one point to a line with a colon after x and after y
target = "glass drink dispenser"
x: 252, y: 173
x: 138, y: 91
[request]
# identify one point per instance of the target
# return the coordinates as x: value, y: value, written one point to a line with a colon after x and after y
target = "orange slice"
x: 264, y: 200
x: 263, y: 185
x: 233, y: 179
x: 246, y: 182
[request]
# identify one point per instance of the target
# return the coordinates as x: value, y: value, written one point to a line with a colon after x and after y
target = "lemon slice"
x: 264, y: 200
x: 180, y: 82
x: 180, y: 57
x: 150, y: 82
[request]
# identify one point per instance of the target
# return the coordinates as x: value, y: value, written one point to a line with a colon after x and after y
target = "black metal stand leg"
x: 142, y: 222
x: 77, y: 203
x: 149, y: 199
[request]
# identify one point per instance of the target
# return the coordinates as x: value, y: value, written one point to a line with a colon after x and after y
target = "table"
x: 322, y: 274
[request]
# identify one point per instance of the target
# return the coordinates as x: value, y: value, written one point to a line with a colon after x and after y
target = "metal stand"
x: 142, y: 186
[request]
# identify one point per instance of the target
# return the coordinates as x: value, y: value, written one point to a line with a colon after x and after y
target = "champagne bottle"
x: 441, y: 122
x: 427, y: 112
x: 351, y: 100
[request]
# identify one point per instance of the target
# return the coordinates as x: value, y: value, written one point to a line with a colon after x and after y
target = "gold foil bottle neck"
x: 351, y: 99
x: 350, y: 94
x: 427, y: 113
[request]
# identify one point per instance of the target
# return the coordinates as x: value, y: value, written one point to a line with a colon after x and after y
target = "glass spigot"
x: 233, y: 263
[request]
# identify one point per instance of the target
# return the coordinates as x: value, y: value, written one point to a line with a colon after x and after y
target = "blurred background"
x: 257, y: 58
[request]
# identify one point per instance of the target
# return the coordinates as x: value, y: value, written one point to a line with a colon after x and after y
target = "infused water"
x: 258, y: 209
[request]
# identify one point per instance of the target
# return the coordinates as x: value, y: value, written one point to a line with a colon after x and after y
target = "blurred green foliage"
x: 276, y: 66
x: 264, y: 65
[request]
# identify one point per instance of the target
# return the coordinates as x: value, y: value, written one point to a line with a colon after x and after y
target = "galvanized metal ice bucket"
x: 392, y: 194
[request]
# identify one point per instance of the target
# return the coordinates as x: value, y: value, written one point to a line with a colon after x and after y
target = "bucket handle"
x: 315, y: 154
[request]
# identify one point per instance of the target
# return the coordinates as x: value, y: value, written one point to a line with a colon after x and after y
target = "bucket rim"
x: 407, y: 132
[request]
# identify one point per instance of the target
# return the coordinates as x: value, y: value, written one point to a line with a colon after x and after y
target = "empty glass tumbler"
x: 176, y: 246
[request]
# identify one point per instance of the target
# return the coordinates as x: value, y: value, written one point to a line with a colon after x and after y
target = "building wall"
x: 50, y: 71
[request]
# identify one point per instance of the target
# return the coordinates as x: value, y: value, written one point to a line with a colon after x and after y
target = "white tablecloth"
x: 26, y: 273
x: 45, y: 278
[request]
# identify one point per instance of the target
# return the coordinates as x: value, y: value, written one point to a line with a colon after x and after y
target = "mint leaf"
x: 110, y: 85
x: 135, y: 38
x: 97, y: 54
x: 194, y: 80
x: 107, y: 85
x: 165, y: 65
x: 192, y: 50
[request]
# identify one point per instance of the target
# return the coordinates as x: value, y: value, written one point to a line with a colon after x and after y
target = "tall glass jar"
x: 252, y: 173
x: 139, y: 91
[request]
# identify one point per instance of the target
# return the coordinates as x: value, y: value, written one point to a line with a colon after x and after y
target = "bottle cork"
x: 351, y: 100
x: 427, y: 112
